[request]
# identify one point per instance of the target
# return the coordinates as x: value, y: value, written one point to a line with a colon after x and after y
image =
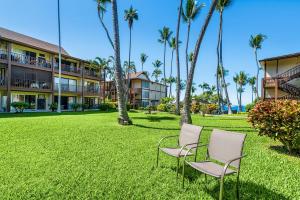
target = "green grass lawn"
x: 89, y: 156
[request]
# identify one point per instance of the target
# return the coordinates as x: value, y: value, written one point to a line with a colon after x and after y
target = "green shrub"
x: 75, y: 106
x: 109, y: 106
x: 19, y: 106
x: 208, y: 108
x: 167, y: 100
x: 195, y: 108
x: 279, y: 120
x: 53, y: 107
x: 162, y: 107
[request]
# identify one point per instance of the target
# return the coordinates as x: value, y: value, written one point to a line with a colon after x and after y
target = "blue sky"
x: 83, y: 37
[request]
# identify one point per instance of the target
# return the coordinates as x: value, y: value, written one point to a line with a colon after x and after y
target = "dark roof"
x: 29, y: 41
x: 281, y: 57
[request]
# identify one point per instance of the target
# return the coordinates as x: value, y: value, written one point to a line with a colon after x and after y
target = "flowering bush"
x: 195, y: 108
x: 279, y: 120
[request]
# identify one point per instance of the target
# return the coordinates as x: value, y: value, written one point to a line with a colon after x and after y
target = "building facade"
x: 281, y: 77
x: 143, y: 91
x: 29, y: 73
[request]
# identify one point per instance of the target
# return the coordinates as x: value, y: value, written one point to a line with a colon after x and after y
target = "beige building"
x: 281, y: 77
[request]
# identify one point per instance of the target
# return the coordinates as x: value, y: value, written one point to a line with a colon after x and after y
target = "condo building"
x: 29, y: 73
x: 281, y: 77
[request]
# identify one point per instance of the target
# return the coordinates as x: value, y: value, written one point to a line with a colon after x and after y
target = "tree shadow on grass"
x: 155, y: 118
x: 156, y: 128
x: 283, y: 150
x: 230, y: 128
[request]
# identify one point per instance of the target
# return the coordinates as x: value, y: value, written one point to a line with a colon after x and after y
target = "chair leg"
x: 183, y: 168
x: 177, y: 170
x: 205, y: 181
x: 237, y: 187
x: 157, y: 157
x: 221, y: 188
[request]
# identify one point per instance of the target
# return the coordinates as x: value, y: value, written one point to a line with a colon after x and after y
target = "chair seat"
x: 175, y: 151
x: 210, y: 168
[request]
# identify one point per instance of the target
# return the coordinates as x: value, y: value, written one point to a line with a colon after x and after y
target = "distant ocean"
x: 235, y: 108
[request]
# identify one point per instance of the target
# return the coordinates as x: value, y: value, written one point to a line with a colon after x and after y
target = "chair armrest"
x: 201, y: 145
x: 184, y: 146
x: 164, y: 138
x: 229, y: 162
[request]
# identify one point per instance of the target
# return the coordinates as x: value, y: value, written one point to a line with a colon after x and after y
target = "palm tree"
x: 173, y: 46
x: 157, y: 72
x: 165, y: 35
x: 186, y: 115
x: 189, y: 14
x: 103, y: 65
x: 204, y: 86
x: 242, y: 81
x: 235, y: 80
x: 59, y: 58
x: 170, y: 81
x: 122, y: 108
x: 256, y: 43
x: 221, y: 5
x: 178, y: 80
x: 143, y: 59
x: 101, y: 8
x: 252, y: 82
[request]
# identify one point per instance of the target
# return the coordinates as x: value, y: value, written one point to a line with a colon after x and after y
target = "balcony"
x: 92, y: 90
x: 269, y: 82
x: 31, y: 85
x: 3, y: 55
x: 28, y: 60
x: 3, y: 83
x: 68, y: 68
x: 91, y: 73
x: 68, y: 88
x: 136, y: 91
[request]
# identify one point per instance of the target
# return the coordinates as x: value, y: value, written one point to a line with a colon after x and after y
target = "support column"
x: 104, y: 86
x: 276, y: 89
x: 262, y: 89
x: 53, y: 78
x: 8, y: 101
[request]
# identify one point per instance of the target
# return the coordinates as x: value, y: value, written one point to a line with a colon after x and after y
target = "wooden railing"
x: 3, y: 82
x: 91, y: 73
x: 29, y: 84
x: 28, y: 60
x: 3, y: 54
x: 68, y: 68
x: 290, y: 73
x: 68, y: 88
x: 92, y: 90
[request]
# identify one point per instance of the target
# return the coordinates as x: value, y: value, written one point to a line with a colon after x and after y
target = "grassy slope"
x: 90, y: 156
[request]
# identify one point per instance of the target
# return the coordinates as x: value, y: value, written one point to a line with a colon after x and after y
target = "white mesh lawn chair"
x: 188, y: 138
x: 224, y: 147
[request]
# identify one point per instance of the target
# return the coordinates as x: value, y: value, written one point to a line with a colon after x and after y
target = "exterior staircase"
x: 284, y: 78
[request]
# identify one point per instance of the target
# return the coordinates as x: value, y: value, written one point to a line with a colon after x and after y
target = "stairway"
x: 287, y: 76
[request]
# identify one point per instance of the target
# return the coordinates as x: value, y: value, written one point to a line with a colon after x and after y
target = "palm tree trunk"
x: 186, y: 115
x: 142, y: 67
x: 171, y: 73
x: 105, y: 29
x: 240, y: 108
x: 237, y: 93
x: 187, y: 49
x: 129, y: 64
x: 165, y: 81
x: 123, y: 114
x: 221, y: 64
x: 104, y: 85
x: 178, y: 80
x: 252, y: 92
x: 257, y: 74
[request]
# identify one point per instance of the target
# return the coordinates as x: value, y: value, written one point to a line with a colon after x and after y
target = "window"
x: 145, y: 84
x: 29, y: 99
x: 66, y: 84
x: 145, y: 94
x: 145, y: 103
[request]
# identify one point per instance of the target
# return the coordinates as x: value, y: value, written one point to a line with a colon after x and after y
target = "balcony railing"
x: 68, y: 68
x: 29, y: 84
x: 270, y: 82
x: 68, y: 88
x: 3, y: 54
x: 3, y: 82
x: 28, y: 60
x: 92, y: 90
x: 91, y: 73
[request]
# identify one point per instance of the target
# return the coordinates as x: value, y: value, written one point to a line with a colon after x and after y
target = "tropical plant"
x: 103, y: 65
x: 143, y: 59
x: 178, y: 80
x: 190, y: 12
x: 173, y: 47
x: 256, y: 43
x: 186, y: 115
x: 19, y: 106
x: 204, y: 86
x: 221, y: 6
x: 157, y: 71
x: 75, y: 106
x: 123, y: 114
x: 252, y: 82
x: 278, y: 120
x: 53, y: 107
x: 235, y: 80
x: 242, y: 81
x: 165, y: 35
x: 170, y: 82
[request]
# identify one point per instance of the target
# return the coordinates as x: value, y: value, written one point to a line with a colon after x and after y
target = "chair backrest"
x: 225, y: 146
x: 189, y: 134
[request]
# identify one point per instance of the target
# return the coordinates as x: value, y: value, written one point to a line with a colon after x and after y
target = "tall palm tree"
x: 103, y: 65
x: 102, y: 8
x: 122, y: 108
x: 178, y: 80
x: 221, y: 6
x: 157, y: 71
x: 256, y: 43
x: 235, y: 80
x: 130, y: 16
x: 173, y: 47
x: 204, y: 86
x: 129, y: 68
x: 190, y: 12
x: 186, y: 115
x: 242, y: 81
x: 252, y: 82
x: 59, y: 58
x: 143, y: 59
x: 165, y: 35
